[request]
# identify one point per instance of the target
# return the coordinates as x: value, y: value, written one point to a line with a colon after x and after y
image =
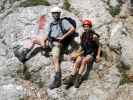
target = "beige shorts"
x: 55, y: 51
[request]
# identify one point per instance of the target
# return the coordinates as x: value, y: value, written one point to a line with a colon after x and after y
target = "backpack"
x: 70, y: 20
x: 69, y: 38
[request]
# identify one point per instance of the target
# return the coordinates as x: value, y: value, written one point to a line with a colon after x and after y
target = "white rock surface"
x: 104, y: 78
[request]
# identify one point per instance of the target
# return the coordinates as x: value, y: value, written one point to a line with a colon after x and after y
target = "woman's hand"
x: 74, y: 55
x: 98, y: 59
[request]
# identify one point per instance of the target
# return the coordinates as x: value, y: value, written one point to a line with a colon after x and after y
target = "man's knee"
x: 85, y: 61
x: 55, y: 57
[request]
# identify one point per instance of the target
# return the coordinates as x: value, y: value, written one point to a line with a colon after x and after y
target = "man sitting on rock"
x: 87, y: 53
x: 56, y: 37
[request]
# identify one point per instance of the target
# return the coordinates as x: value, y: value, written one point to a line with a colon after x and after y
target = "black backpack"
x: 70, y: 20
x: 68, y: 39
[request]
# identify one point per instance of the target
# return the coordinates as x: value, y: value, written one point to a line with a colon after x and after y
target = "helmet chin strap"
x: 56, y: 19
x: 87, y: 29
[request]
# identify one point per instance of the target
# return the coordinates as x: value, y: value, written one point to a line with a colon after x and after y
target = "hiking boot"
x: 23, y: 55
x: 69, y: 80
x: 46, y: 51
x: 56, y: 82
x: 78, y: 81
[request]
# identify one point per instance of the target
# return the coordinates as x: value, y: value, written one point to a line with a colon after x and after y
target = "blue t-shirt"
x: 56, y: 29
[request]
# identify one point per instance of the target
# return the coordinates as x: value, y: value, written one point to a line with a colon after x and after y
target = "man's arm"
x: 69, y: 32
x: 68, y: 27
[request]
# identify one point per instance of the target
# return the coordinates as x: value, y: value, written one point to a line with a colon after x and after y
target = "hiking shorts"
x: 55, y: 51
x: 88, y: 56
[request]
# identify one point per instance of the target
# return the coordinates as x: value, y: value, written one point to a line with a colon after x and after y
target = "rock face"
x: 121, y: 39
x: 30, y: 81
x: 114, y: 3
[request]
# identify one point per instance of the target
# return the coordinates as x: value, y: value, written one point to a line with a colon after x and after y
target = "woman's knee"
x: 86, y: 61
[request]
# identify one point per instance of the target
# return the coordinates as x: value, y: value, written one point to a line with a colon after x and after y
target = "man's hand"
x: 60, y: 39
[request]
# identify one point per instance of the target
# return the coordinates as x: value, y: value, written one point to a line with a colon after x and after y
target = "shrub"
x: 39, y: 2
x: 124, y: 76
x: 114, y: 10
x: 124, y: 79
x: 67, y: 5
x: 35, y: 3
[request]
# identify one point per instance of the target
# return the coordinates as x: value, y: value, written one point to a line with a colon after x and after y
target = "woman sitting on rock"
x: 87, y: 53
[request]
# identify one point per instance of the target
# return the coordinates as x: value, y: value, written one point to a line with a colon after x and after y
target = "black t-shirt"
x: 88, y: 43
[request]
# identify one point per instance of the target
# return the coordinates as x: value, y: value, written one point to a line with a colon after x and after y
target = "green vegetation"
x: 124, y: 79
x: 27, y: 74
x: 35, y: 3
x: 124, y: 76
x: 114, y: 10
x: 104, y: 54
x: 39, y: 2
x: 40, y: 84
x: 67, y: 5
x: 21, y: 99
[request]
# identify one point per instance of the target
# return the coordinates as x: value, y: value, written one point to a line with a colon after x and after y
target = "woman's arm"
x: 98, y: 51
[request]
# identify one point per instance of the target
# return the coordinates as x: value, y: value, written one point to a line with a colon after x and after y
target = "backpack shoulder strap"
x: 61, y: 26
x: 50, y: 30
x: 95, y: 33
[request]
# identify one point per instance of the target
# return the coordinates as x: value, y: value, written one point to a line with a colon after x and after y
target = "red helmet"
x: 87, y: 22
